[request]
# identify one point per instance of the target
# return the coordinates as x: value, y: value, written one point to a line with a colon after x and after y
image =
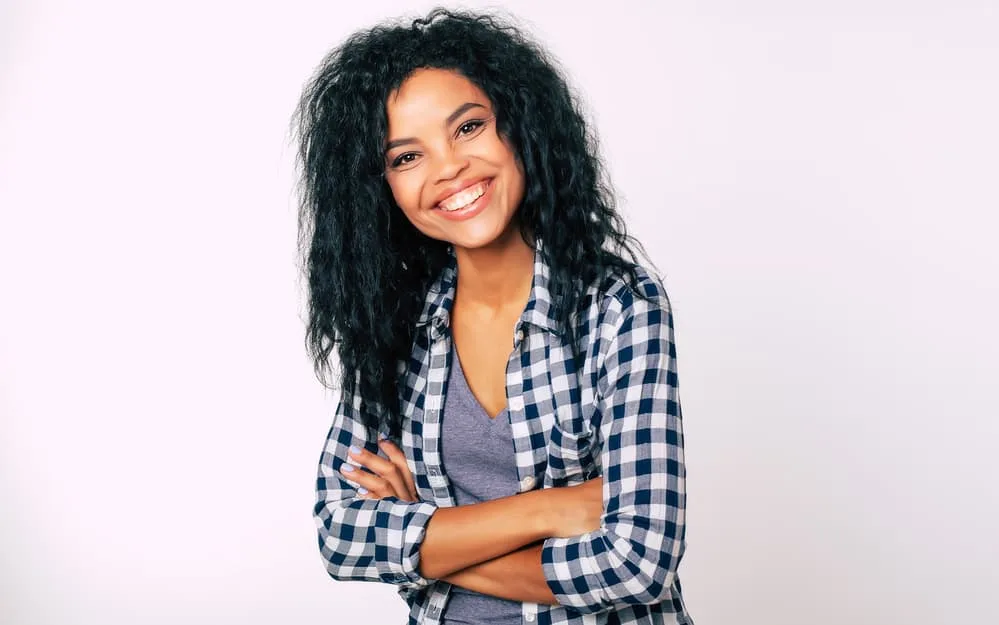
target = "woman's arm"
x: 517, y: 576
x: 363, y: 539
x: 633, y: 556
x: 460, y: 537
x: 463, y: 536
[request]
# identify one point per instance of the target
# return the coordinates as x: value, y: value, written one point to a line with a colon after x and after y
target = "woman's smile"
x: 465, y: 196
x: 467, y: 203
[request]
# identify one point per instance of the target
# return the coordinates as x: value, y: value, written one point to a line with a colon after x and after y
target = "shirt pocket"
x: 571, y: 455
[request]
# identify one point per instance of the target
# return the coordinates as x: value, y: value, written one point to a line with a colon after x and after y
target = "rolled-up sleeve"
x: 365, y: 539
x: 633, y: 556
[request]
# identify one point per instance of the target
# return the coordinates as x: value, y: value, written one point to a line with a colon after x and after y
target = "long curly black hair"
x: 368, y: 267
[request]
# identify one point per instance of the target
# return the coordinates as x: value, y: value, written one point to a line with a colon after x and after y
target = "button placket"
x: 530, y: 611
x: 439, y: 348
x: 518, y: 335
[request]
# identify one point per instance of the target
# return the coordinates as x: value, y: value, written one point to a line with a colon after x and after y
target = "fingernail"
x: 354, y: 450
x: 346, y: 467
x: 362, y: 490
x: 382, y: 436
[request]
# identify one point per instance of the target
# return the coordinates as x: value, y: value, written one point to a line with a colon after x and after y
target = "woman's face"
x: 451, y: 173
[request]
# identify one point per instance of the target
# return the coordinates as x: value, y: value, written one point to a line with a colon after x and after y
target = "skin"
x: 442, y: 139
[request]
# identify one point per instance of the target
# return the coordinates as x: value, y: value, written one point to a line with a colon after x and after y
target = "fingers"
x: 365, y: 481
x: 399, y: 460
x: 384, y: 479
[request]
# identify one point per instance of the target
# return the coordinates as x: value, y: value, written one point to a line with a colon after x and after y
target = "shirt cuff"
x: 570, y: 569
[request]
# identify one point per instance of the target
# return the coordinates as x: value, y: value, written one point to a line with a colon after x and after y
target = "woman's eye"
x: 403, y: 160
x: 470, y: 126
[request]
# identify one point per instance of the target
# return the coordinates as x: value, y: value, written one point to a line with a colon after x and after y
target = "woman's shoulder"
x: 628, y: 314
x: 629, y: 290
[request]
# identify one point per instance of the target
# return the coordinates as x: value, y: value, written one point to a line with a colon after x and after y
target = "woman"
x: 507, y: 447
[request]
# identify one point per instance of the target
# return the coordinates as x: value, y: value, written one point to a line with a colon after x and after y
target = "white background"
x: 818, y: 181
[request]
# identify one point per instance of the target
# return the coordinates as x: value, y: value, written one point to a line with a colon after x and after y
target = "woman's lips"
x: 457, y: 187
x: 470, y: 210
x: 464, y: 197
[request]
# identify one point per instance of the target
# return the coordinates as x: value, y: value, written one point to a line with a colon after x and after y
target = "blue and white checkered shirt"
x: 615, y: 413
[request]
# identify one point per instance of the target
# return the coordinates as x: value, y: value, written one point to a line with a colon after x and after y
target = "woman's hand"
x: 576, y: 510
x: 384, y: 478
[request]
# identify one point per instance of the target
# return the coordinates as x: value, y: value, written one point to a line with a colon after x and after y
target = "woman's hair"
x: 368, y: 267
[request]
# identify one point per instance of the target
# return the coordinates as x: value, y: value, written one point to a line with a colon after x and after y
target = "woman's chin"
x: 485, y: 237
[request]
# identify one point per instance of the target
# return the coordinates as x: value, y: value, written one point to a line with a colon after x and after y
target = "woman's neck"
x: 496, y: 279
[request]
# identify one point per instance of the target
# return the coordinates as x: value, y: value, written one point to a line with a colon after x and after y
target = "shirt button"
x: 529, y: 617
x: 527, y: 483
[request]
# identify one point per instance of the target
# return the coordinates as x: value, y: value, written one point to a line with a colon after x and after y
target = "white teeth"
x: 462, y: 199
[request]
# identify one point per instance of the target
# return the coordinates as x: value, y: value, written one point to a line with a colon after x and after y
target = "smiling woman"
x: 508, y: 444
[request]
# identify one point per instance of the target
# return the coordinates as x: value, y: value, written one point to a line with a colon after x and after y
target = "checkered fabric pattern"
x: 615, y: 413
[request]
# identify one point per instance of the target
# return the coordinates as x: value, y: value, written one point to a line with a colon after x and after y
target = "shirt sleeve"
x: 365, y: 539
x: 633, y: 556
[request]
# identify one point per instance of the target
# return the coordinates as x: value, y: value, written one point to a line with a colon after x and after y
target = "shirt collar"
x: 540, y: 310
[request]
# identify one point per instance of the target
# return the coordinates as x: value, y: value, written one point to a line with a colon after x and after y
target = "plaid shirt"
x: 615, y: 413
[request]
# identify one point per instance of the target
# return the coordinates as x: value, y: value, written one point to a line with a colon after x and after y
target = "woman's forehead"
x: 430, y: 96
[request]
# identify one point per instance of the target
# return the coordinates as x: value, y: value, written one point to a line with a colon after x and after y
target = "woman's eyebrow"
x: 458, y: 112
x: 398, y: 142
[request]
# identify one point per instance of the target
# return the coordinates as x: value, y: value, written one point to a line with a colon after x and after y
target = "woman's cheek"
x: 405, y: 198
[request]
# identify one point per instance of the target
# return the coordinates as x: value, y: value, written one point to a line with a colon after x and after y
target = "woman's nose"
x: 452, y: 162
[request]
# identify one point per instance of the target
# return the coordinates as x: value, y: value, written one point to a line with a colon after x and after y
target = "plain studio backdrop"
x: 817, y: 181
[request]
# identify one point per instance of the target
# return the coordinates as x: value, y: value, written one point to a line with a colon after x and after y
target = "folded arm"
x: 517, y: 576
x: 632, y: 557
x: 383, y: 536
x: 364, y: 539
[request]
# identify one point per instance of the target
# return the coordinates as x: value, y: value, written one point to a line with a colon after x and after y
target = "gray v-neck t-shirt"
x: 478, y: 458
